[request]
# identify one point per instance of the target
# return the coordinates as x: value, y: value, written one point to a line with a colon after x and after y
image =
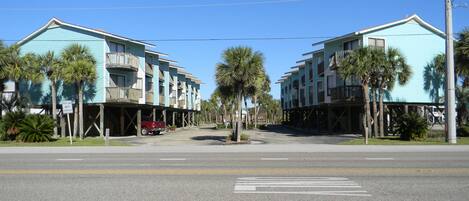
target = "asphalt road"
x: 235, y: 176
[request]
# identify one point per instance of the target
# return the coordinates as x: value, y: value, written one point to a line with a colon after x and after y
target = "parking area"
x: 208, y: 135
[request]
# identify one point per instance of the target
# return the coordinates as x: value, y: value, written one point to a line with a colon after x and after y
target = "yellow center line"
x: 246, y: 171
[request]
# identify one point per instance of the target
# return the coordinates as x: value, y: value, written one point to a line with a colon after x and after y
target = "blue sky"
x: 174, y: 19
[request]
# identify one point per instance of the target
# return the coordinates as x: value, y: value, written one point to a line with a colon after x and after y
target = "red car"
x: 153, y: 127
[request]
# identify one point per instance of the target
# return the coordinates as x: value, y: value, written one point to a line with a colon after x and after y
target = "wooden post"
x: 406, y: 108
x: 174, y: 118
x: 62, y: 125
x: 349, y: 119
x: 183, y: 119
x: 122, y: 121
x: 139, y: 122
x: 154, y: 114
x: 101, y: 120
x: 164, y: 116
x: 329, y: 119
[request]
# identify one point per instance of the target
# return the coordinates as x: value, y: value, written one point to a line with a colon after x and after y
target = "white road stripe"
x: 172, y: 159
x: 333, y: 186
x: 274, y: 159
x: 341, y: 193
x: 69, y: 159
x: 379, y: 159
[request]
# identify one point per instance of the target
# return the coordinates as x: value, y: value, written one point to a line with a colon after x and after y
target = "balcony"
x: 182, y: 103
x: 149, y: 97
x: 321, y: 97
x: 172, y: 102
x: 296, y: 84
x: 337, y: 57
x: 351, y: 93
x: 148, y: 70
x: 123, y: 94
x: 321, y: 68
x: 161, y: 76
x: 162, y: 101
x: 122, y: 60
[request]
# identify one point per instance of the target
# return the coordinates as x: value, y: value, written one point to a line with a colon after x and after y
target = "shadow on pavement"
x: 209, y: 137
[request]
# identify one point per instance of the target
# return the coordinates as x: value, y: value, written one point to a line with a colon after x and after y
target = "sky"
x: 209, y: 19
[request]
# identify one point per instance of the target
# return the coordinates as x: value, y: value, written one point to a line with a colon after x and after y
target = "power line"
x: 252, y: 3
x: 229, y: 39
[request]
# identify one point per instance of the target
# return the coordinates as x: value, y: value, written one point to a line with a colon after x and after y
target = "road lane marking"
x: 69, y: 159
x: 172, y: 159
x: 332, y: 186
x: 274, y: 159
x: 379, y: 159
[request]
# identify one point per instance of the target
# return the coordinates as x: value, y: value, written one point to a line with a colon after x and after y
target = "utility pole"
x: 450, y: 82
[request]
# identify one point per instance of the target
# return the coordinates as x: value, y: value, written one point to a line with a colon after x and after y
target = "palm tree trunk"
x: 224, y: 115
x: 80, y: 109
x: 240, y: 116
x: 381, y: 113
x: 247, y: 112
x: 367, y: 127
x: 54, y: 106
x: 75, y: 120
x: 256, y: 112
x: 375, y: 115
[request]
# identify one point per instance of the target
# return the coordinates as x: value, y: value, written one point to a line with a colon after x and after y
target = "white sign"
x: 67, y: 107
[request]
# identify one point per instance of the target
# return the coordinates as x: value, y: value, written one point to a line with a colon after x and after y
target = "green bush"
x: 244, y: 137
x: 10, y: 122
x: 36, y: 128
x: 463, y: 131
x: 222, y: 126
x: 412, y: 126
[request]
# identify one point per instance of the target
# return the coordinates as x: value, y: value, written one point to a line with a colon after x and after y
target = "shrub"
x: 412, y: 126
x: 463, y: 131
x: 244, y: 137
x: 10, y: 123
x: 263, y: 127
x: 36, y: 128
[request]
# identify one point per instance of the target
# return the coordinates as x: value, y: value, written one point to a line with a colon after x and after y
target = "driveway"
x: 208, y: 135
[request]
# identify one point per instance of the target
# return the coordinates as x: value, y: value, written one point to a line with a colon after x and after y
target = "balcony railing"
x: 162, y: 101
x: 122, y: 60
x: 182, y: 103
x: 123, y: 94
x: 149, y: 97
x: 352, y: 93
x: 337, y: 58
x: 148, y: 70
x: 321, y: 68
x: 321, y: 97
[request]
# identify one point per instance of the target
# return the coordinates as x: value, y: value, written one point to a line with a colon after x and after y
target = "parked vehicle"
x: 153, y: 127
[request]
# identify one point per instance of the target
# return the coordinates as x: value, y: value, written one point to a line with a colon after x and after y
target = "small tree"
x: 239, y: 70
x: 79, y: 69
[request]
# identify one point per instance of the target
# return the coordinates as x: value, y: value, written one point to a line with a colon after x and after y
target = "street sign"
x: 67, y: 107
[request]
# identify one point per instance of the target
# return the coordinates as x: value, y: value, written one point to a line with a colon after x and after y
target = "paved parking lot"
x: 208, y: 135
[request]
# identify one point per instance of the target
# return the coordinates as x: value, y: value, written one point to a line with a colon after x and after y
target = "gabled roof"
x: 414, y: 17
x: 55, y: 21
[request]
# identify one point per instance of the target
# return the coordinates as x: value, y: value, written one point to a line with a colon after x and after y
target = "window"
x: 351, y: 45
x: 149, y: 86
x: 320, y: 86
x: 116, y: 80
x: 116, y: 47
x: 376, y: 42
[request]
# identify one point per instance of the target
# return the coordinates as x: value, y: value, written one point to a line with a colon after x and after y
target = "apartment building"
x: 313, y: 95
x: 134, y: 83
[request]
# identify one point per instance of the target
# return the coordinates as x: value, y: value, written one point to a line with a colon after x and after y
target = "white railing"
x: 122, y: 60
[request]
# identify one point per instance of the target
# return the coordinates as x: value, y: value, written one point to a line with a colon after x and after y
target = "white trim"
x: 59, y: 22
x: 156, y: 53
x: 105, y: 72
x: 167, y: 61
x: 375, y: 28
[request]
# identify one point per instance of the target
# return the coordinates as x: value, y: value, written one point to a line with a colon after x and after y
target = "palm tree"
x: 261, y: 86
x: 394, y: 68
x: 362, y: 63
x: 51, y: 67
x: 79, y: 69
x: 462, y: 56
x: 239, y: 69
x: 17, y: 67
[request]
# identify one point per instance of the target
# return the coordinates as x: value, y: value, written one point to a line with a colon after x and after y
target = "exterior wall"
x: 189, y: 97
x: 40, y: 93
x: 165, y: 67
x: 316, y: 77
x: 153, y: 59
x: 173, y: 91
x: 301, y: 88
x: 183, y: 94
x: 419, y: 51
